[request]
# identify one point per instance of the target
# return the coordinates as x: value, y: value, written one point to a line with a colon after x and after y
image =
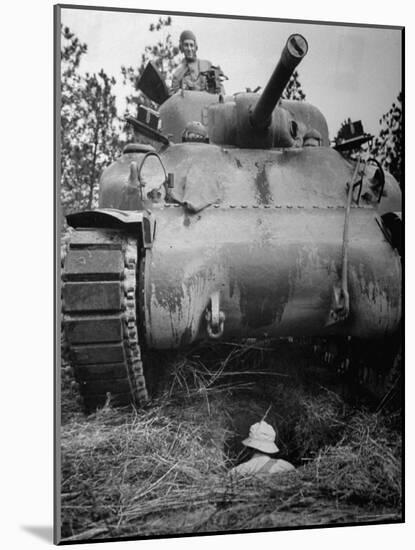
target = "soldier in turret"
x: 192, y: 73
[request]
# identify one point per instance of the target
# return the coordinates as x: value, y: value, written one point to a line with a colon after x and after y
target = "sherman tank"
x: 260, y: 230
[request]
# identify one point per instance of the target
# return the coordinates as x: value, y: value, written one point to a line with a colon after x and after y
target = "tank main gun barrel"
x: 293, y: 52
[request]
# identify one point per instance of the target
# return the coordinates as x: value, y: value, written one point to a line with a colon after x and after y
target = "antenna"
x: 266, y: 414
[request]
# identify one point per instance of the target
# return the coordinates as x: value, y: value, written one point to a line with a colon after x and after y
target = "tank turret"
x: 263, y: 121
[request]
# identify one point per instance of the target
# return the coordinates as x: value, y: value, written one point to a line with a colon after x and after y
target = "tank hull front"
x: 274, y: 269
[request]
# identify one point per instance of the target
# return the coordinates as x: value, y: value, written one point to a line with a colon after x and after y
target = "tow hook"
x: 215, y: 318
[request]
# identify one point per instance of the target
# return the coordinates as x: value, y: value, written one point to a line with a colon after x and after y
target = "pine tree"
x: 293, y: 90
x: 165, y: 57
x: 90, y: 127
x: 388, y: 145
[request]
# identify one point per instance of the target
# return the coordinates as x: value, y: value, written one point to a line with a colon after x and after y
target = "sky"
x: 348, y: 71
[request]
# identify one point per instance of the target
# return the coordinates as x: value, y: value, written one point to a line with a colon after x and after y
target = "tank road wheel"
x: 370, y: 369
x: 100, y: 317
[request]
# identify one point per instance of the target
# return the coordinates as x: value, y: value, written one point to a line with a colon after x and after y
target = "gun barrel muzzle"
x: 293, y: 52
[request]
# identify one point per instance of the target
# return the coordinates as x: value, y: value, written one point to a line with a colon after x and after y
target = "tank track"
x: 100, y: 317
x: 370, y: 369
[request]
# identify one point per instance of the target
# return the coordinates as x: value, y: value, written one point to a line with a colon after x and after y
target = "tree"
x: 293, y: 89
x: 388, y: 145
x: 90, y: 127
x: 163, y: 54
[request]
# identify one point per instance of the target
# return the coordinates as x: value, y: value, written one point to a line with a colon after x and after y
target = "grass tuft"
x: 165, y: 469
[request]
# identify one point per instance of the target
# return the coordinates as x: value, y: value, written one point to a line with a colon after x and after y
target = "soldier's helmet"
x: 195, y: 131
x: 312, y: 138
x: 187, y: 35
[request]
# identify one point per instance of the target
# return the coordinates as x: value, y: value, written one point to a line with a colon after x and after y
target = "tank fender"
x: 110, y: 218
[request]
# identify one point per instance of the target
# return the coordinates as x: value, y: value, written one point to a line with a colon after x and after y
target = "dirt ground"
x: 165, y: 469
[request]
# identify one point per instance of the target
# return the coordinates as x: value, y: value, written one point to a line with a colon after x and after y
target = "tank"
x: 266, y: 231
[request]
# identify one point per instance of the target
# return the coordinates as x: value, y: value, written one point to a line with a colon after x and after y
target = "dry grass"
x: 365, y: 465
x: 132, y: 468
x: 164, y: 470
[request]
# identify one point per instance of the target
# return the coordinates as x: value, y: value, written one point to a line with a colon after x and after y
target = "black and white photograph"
x: 228, y: 212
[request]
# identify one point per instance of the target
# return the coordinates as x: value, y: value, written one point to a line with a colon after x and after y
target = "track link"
x: 100, y: 317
